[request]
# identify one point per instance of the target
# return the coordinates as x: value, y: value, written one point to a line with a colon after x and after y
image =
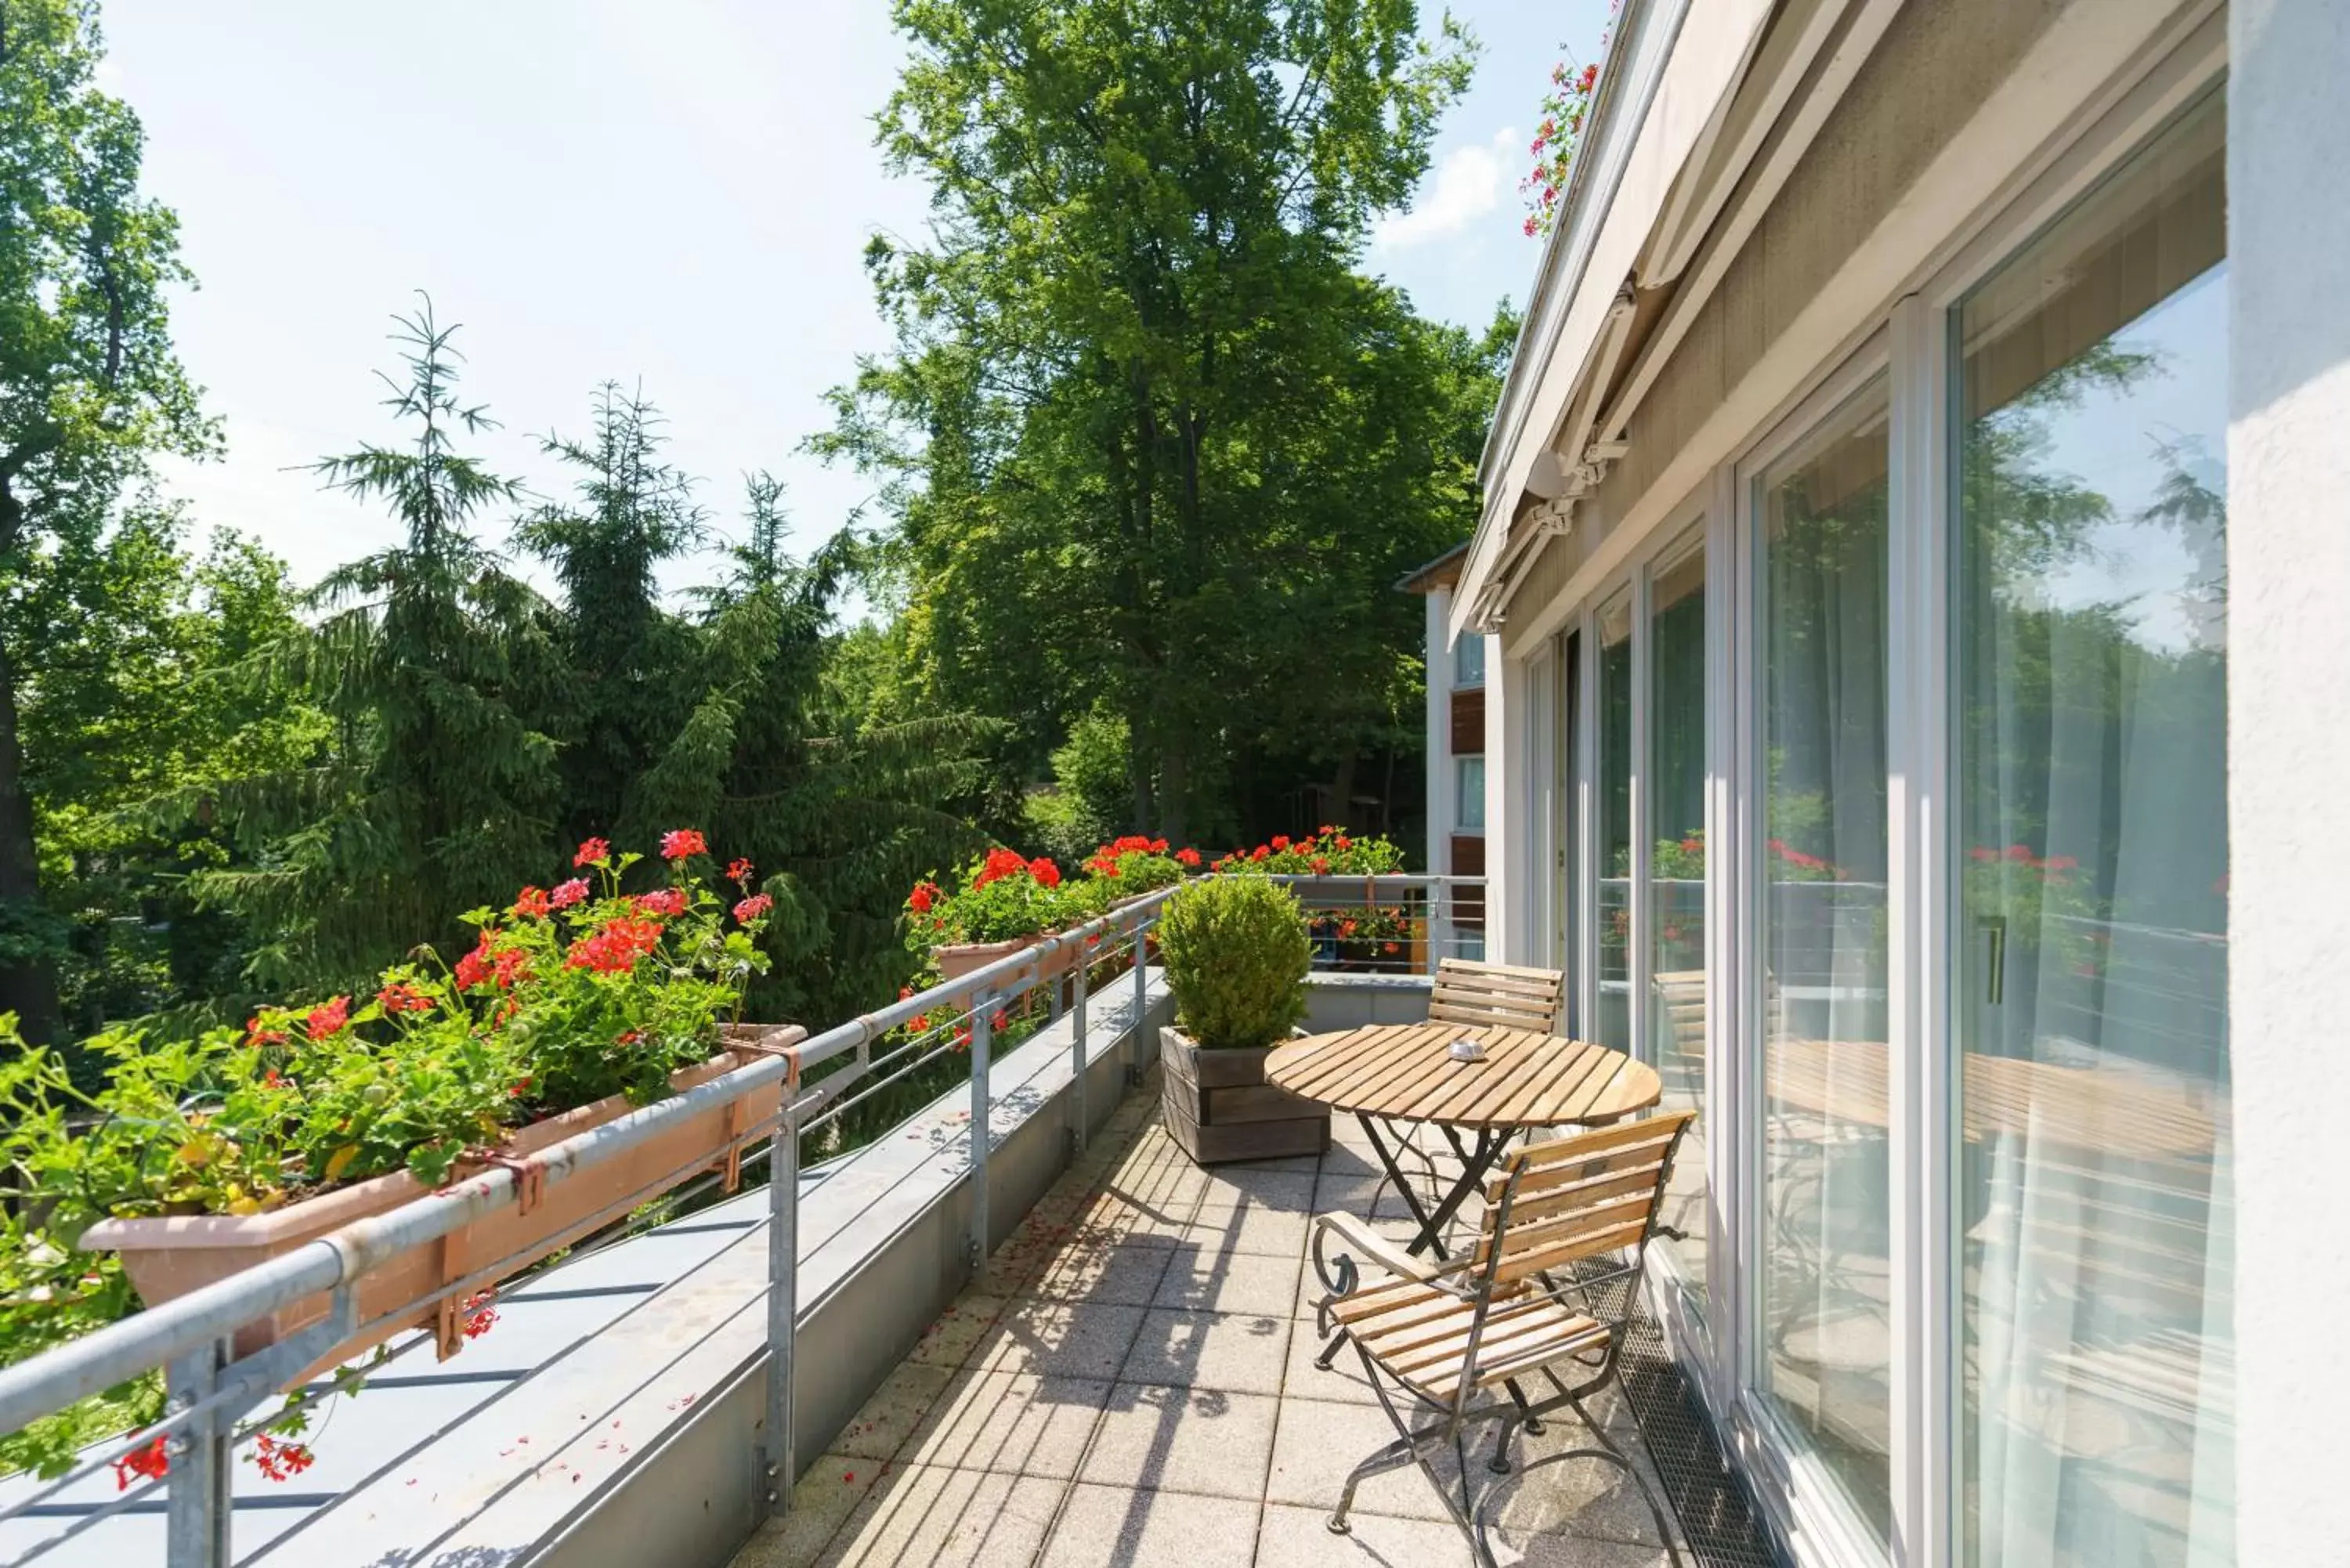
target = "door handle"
x: 1995, y: 949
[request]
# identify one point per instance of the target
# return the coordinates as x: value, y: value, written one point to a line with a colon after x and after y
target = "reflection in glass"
x: 1472, y: 789
x: 2092, y: 868
x: 1614, y: 823
x: 1675, y: 780
x: 1826, y: 1197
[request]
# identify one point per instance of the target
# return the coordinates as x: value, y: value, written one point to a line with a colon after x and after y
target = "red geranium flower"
x: 402, y: 997
x: 279, y: 1461
x: 738, y: 872
x: 326, y: 1022
x: 662, y: 901
x: 615, y: 948
x: 256, y: 1036
x: 469, y: 970
x: 678, y: 843
x: 566, y: 893
x: 149, y: 1462
x: 1280, y: 841
x: 752, y: 907
x: 1047, y: 875
x: 924, y: 895
x: 480, y: 1315
x: 530, y: 904
x: 1187, y: 857
x: 592, y: 852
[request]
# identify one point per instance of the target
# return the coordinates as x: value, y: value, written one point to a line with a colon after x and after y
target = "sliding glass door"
x: 2091, y: 870
x: 1674, y: 902
x: 1824, y: 1361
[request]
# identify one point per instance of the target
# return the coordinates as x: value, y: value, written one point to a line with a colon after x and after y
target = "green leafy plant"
x: 1001, y: 898
x: 569, y: 995
x: 1236, y: 954
x: 1327, y: 851
x: 1135, y: 864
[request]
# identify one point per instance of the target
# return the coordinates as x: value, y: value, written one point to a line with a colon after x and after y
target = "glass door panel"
x: 1676, y: 782
x: 1615, y: 822
x: 1825, y: 1190
x: 2092, y: 879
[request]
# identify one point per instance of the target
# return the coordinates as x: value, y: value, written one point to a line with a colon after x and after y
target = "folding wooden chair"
x: 1475, y: 994
x: 1554, y: 1277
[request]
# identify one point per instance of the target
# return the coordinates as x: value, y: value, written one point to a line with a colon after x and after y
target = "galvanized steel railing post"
x: 1077, y: 1055
x: 981, y: 1030
x: 196, y: 1503
x: 783, y: 1305
x: 1141, y: 1005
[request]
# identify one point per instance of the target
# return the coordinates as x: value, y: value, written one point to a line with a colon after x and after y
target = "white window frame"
x: 1907, y: 341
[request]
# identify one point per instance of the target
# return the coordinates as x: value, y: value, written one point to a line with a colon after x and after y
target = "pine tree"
x: 623, y: 654
x: 839, y: 816
x: 438, y: 794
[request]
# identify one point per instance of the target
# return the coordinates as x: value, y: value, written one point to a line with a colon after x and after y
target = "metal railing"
x: 212, y: 1392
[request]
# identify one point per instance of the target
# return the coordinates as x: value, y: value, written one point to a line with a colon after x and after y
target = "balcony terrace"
x: 1126, y: 1377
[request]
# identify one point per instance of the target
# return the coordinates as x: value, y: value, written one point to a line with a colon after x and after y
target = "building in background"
x: 1456, y: 758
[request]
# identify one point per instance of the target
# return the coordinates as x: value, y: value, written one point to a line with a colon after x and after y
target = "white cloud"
x: 1469, y: 184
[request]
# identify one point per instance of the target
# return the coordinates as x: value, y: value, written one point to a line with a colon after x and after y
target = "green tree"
x: 622, y: 652
x: 436, y: 794
x: 123, y: 702
x: 839, y: 810
x: 90, y: 386
x: 1137, y: 374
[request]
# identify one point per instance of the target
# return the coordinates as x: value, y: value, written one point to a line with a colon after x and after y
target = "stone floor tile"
x: 1230, y: 1351
x: 1319, y: 1443
x: 1270, y: 1232
x: 1231, y: 1185
x: 1113, y: 1524
x: 1239, y: 1282
x: 1060, y: 1339
x: 950, y: 1341
x: 822, y: 1501
x: 1175, y: 1439
x: 1013, y: 1422
x: 1301, y: 1538
x: 947, y: 1519
x: 1120, y: 1275
x: 905, y: 1397
x: 1344, y: 1383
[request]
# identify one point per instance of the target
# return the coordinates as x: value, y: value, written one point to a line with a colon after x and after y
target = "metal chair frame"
x: 1472, y: 1279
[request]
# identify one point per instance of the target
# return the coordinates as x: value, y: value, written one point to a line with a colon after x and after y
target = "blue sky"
x: 675, y: 195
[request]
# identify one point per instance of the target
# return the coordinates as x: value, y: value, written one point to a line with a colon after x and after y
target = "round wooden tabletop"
x: 1405, y: 1072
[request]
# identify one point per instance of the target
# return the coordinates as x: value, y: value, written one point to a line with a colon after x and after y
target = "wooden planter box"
x: 168, y: 1256
x: 1217, y: 1104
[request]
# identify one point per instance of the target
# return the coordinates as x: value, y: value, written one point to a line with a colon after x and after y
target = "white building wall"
x: 2289, y: 767
x: 1443, y: 810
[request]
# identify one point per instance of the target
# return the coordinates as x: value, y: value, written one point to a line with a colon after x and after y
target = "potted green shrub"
x: 1236, y: 953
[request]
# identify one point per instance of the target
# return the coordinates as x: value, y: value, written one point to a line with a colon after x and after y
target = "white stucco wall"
x: 2289, y: 769
x: 1442, y: 809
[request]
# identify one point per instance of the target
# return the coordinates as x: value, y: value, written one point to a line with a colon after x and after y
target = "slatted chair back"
x: 1680, y: 1001
x: 1482, y: 995
x: 1566, y: 1199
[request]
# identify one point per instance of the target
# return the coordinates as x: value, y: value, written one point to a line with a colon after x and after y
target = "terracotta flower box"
x: 169, y: 1256
x: 1217, y: 1104
x: 957, y: 959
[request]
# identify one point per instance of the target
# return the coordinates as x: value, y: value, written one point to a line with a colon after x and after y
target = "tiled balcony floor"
x: 1132, y: 1382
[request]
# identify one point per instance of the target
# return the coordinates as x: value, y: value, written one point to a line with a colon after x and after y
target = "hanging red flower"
x: 592, y: 852
x: 678, y: 843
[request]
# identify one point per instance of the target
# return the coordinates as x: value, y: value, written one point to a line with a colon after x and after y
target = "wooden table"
x: 1405, y: 1073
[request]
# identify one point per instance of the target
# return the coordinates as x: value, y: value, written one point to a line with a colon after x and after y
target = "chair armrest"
x: 1359, y: 1240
